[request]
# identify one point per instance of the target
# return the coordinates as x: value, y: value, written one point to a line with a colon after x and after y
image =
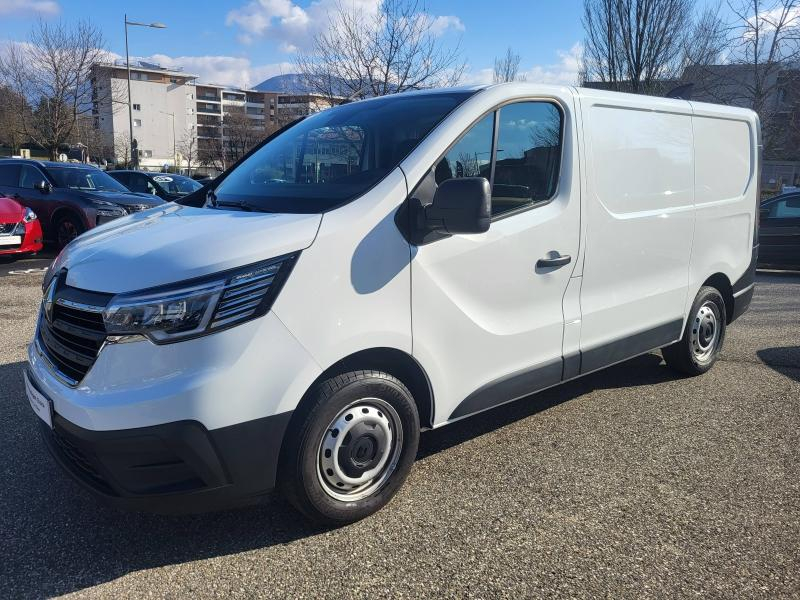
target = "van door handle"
x: 556, y: 261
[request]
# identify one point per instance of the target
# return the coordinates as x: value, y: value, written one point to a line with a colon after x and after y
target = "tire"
x: 698, y: 349
x: 67, y: 229
x: 321, y: 471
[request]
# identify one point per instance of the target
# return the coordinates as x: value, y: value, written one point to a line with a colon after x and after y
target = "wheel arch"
x: 396, y: 363
x: 721, y: 283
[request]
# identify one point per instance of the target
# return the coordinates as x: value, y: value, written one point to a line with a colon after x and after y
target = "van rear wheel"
x: 699, y: 348
x: 351, y: 447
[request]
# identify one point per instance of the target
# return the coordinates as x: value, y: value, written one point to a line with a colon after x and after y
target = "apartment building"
x: 171, y: 107
x: 163, y: 111
x: 215, y: 102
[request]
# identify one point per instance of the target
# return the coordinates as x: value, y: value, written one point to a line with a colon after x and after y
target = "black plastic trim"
x: 749, y: 276
x: 741, y: 303
x: 537, y: 378
x: 634, y: 345
x: 743, y: 288
x: 174, y: 468
x: 510, y: 387
x: 572, y: 366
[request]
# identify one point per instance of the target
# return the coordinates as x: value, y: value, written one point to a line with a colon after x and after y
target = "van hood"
x: 173, y: 243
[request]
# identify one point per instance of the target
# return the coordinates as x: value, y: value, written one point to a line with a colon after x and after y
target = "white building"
x: 163, y: 111
x: 170, y: 107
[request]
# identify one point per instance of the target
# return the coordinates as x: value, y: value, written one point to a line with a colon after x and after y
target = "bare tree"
x: 707, y: 41
x: 632, y: 44
x: 122, y: 149
x: 760, y: 70
x: 209, y: 154
x: 767, y: 41
x: 52, y: 71
x: 393, y: 50
x: 89, y: 136
x: 12, y: 106
x: 242, y: 133
x: 187, y: 148
x: 507, y: 68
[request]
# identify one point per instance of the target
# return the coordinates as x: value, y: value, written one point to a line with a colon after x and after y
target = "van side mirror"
x: 43, y: 186
x: 462, y: 205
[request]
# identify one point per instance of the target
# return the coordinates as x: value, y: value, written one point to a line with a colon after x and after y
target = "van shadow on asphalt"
x: 57, y: 539
x: 784, y: 360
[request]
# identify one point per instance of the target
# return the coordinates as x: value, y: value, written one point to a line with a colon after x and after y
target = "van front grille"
x: 72, y: 340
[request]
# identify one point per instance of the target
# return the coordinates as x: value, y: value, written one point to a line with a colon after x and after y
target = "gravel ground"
x: 629, y: 483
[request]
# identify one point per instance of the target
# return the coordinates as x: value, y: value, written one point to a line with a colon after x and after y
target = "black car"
x: 69, y: 198
x: 779, y: 232
x: 164, y: 185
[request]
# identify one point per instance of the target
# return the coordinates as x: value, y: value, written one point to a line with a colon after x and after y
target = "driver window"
x: 528, y: 155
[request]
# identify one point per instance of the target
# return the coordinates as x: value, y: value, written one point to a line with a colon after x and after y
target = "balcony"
x: 208, y: 97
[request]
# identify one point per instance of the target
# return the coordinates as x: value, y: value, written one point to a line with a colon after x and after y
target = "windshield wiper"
x: 241, y: 206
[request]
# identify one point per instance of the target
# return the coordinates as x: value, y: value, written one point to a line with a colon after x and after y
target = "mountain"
x: 290, y: 83
x: 294, y: 83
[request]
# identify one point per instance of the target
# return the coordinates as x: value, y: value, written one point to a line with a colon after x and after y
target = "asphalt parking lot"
x: 632, y: 482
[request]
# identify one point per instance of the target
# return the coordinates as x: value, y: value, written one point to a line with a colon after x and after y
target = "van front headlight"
x: 199, y: 307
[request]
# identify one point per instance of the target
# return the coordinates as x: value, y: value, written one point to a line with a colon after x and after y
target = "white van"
x: 385, y: 267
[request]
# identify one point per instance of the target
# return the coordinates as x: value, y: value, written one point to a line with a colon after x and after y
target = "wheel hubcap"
x: 360, y: 449
x: 705, y: 332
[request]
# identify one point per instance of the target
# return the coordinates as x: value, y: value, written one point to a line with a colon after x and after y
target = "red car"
x: 20, y: 231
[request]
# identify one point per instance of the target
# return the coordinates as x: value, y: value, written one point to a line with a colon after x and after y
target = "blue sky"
x: 242, y: 42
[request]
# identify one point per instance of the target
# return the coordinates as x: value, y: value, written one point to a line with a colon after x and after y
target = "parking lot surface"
x: 632, y: 482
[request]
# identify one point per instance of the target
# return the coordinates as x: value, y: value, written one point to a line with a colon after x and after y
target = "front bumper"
x: 185, y: 427
x: 175, y: 468
x: 32, y: 241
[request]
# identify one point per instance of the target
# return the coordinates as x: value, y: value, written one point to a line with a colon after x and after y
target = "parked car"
x: 69, y: 198
x: 166, y: 186
x: 20, y: 231
x: 779, y: 232
x: 273, y: 336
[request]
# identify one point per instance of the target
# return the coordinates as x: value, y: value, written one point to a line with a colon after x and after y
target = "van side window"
x: 471, y: 156
x: 528, y: 155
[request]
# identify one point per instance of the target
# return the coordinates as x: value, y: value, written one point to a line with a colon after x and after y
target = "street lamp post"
x: 134, y: 154
x: 174, y: 142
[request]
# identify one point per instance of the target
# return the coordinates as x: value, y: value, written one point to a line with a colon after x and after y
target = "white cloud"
x: 15, y: 8
x: 564, y: 72
x: 443, y: 23
x: 226, y: 70
x: 294, y: 27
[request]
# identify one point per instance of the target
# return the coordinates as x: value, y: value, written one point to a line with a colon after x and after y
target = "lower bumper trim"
x: 178, y: 467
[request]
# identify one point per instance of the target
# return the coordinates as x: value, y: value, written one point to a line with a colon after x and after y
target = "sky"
x: 243, y: 42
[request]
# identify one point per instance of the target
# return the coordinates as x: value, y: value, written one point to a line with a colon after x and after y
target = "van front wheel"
x: 698, y: 349
x: 351, y: 447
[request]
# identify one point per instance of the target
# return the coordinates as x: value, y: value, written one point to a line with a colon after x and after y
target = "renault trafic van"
x: 385, y: 267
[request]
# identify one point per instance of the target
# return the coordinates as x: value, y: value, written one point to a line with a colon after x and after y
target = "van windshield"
x: 336, y: 155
